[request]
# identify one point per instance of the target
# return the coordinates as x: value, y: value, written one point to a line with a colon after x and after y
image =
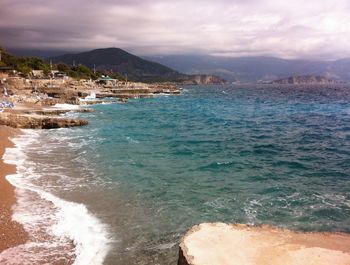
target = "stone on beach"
x: 26, y: 121
x: 233, y: 244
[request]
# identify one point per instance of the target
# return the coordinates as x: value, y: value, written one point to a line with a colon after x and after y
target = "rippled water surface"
x: 152, y: 168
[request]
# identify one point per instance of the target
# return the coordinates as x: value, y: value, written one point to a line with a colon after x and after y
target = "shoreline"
x: 53, y: 233
x: 11, y: 133
x: 11, y: 233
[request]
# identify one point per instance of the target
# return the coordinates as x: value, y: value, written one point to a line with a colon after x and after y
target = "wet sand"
x: 11, y: 232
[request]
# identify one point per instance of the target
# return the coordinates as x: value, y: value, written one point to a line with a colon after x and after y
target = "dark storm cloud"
x: 226, y: 27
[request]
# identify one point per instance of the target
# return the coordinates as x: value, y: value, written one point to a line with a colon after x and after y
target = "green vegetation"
x: 113, y: 75
x: 78, y: 72
x: 25, y: 65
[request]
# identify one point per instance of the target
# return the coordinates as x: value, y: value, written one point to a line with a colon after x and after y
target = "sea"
x: 127, y: 187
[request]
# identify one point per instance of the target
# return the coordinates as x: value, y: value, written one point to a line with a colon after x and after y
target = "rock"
x: 50, y: 111
x: 25, y: 121
x: 122, y: 100
x: 233, y: 244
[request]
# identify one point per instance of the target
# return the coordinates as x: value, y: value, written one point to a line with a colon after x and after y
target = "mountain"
x: 122, y: 62
x: 136, y: 68
x: 255, y: 68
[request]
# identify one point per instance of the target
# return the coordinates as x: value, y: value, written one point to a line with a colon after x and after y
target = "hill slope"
x: 122, y: 62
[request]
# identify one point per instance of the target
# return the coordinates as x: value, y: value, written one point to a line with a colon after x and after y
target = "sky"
x: 317, y: 29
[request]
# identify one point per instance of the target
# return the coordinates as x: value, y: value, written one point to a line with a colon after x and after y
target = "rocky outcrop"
x: 50, y: 112
x: 47, y: 92
x: 305, y: 79
x: 74, y: 90
x: 233, y: 244
x: 25, y: 121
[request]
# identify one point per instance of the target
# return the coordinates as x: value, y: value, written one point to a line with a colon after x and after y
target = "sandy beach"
x: 11, y: 233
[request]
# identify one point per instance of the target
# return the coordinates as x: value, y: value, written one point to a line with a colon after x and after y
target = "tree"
x: 24, y: 69
x: 62, y: 67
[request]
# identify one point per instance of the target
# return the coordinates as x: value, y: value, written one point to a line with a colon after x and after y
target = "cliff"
x: 219, y: 244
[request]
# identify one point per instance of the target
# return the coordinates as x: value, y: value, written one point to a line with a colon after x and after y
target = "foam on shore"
x: 66, y: 106
x: 55, y: 226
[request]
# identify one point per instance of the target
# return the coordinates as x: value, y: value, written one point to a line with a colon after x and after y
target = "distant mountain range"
x: 254, y: 69
x: 194, y: 68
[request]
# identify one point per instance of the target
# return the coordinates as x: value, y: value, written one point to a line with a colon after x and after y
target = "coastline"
x: 54, y: 231
x: 61, y: 204
x: 11, y: 232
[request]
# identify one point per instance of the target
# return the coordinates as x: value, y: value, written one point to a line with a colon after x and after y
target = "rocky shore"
x: 53, y: 91
x: 34, y: 121
x: 32, y: 97
x: 233, y: 244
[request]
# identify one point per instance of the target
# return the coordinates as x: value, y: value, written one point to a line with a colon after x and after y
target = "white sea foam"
x: 162, y: 246
x: 66, y: 106
x: 44, y: 216
x: 251, y: 209
x: 131, y: 140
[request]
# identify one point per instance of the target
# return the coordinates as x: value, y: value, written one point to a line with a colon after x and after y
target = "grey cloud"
x: 234, y: 27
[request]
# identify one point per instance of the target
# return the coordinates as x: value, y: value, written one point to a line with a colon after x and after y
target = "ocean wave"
x: 218, y: 165
x: 58, y: 229
x: 161, y: 246
x: 131, y: 140
x: 67, y: 106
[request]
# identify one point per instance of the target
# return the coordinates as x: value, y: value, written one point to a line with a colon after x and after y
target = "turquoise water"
x: 152, y: 168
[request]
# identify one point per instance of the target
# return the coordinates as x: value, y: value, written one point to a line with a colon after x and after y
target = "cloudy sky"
x: 288, y: 29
